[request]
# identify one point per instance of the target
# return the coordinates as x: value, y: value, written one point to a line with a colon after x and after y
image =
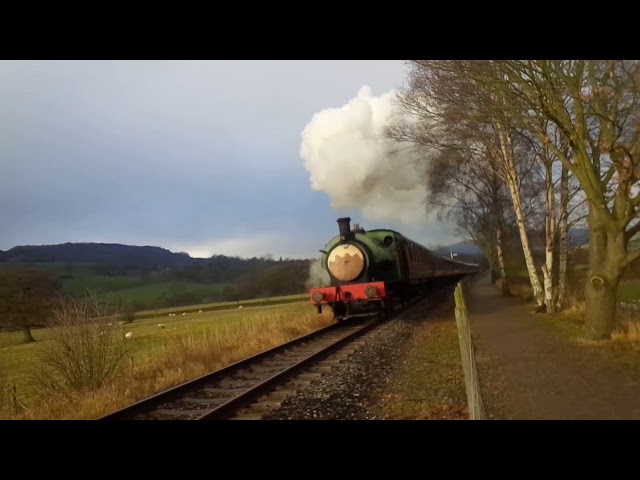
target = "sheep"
x: 171, y: 314
x: 120, y: 323
x: 128, y: 335
x: 240, y: 306
x: 183, y: 314
x: 199, y: 311
x: 110, y: 324
x: 161, y: 325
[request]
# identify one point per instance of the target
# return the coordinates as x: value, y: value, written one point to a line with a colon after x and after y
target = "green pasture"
x: 256, y: 302
x: 144, y: 293
x: 156, y: 292
x: 629, y: 290
x: 81, y: 282
x: 16, y: 360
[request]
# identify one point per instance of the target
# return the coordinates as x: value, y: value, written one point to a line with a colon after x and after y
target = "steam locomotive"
x: 372, y: 272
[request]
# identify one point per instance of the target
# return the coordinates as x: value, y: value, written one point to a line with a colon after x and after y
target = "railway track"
x: 222, y: 394
x: 253, y: 386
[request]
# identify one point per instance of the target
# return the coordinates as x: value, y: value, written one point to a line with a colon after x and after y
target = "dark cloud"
x: 186, y: 155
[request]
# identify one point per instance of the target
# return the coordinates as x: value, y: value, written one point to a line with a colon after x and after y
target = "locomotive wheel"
x: 388, y: 305
x: 339, y: 311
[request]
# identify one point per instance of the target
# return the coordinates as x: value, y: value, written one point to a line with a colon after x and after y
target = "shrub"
x: 84, y: 352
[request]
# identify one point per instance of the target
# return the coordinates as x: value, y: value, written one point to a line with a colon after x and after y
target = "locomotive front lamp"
x: 317, y: 296
x: 370, y: 291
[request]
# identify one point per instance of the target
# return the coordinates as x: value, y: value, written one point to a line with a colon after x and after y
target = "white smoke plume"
x: 351, y: 162
x: 318, y: 276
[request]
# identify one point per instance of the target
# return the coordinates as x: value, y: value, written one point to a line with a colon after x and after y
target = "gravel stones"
x: 350, y: 391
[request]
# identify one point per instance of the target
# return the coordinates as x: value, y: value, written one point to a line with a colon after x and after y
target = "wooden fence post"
x: 472, y: 385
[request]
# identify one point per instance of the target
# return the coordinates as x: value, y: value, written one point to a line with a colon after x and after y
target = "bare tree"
x: 595, y: 107
x: 449, y: 100
x: 27, y: 298
x: 571, y: 212
x: 474, y: 198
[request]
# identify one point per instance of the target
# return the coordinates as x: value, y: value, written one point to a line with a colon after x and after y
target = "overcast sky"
x: 195, y: 156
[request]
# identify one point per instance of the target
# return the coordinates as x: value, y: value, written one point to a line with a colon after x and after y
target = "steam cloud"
x: 318, y: 277
x: 351, y: 162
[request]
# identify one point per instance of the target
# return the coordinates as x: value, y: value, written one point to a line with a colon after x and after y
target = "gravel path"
x: 528, y: 372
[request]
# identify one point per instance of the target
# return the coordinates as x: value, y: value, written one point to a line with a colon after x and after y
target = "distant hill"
x: 155, y: 257
x: 466, y: 247
x: 100, y: 253
x: 577, y: 237
x: 154, y: 277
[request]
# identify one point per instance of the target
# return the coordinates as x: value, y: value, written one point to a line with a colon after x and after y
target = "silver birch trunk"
x: 563, y: 249
x: 503, y: 273
x: 509, y: 168
x: 550, y: 227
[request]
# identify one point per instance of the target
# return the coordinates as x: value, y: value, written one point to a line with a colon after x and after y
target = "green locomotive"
x: 373, y: 271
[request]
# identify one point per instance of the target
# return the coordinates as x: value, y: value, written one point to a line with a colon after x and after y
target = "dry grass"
x: 628, y: 333
x: 574, y: 310
x: 429, y: 383
x: 182, y: 359
x: 6, y: 405
x: 521, y: 288
x: 624, y: 342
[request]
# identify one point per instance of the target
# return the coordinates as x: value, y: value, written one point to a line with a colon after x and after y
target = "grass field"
x: 147, y: 336
x: 83, y: 281
x: 147, y: 294
x: 256, y: 302
x: 629, y: 290
x: 143, y: 293
x: 159, y: 358
x: 429, y: 384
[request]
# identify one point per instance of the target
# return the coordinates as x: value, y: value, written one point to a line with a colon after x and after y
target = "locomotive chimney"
x: 345, y: 228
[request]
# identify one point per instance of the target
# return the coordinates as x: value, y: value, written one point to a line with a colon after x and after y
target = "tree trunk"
x: 526, y: 249
x: 602, y: 281
x: 501, y: 269
x: 26, y: 334
x: 509, y: 168
x: 550, y: 227
x: 564, y: 233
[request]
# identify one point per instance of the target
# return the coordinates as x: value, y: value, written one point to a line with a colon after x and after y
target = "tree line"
x: 28, y: 296
x: 513, y: 145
